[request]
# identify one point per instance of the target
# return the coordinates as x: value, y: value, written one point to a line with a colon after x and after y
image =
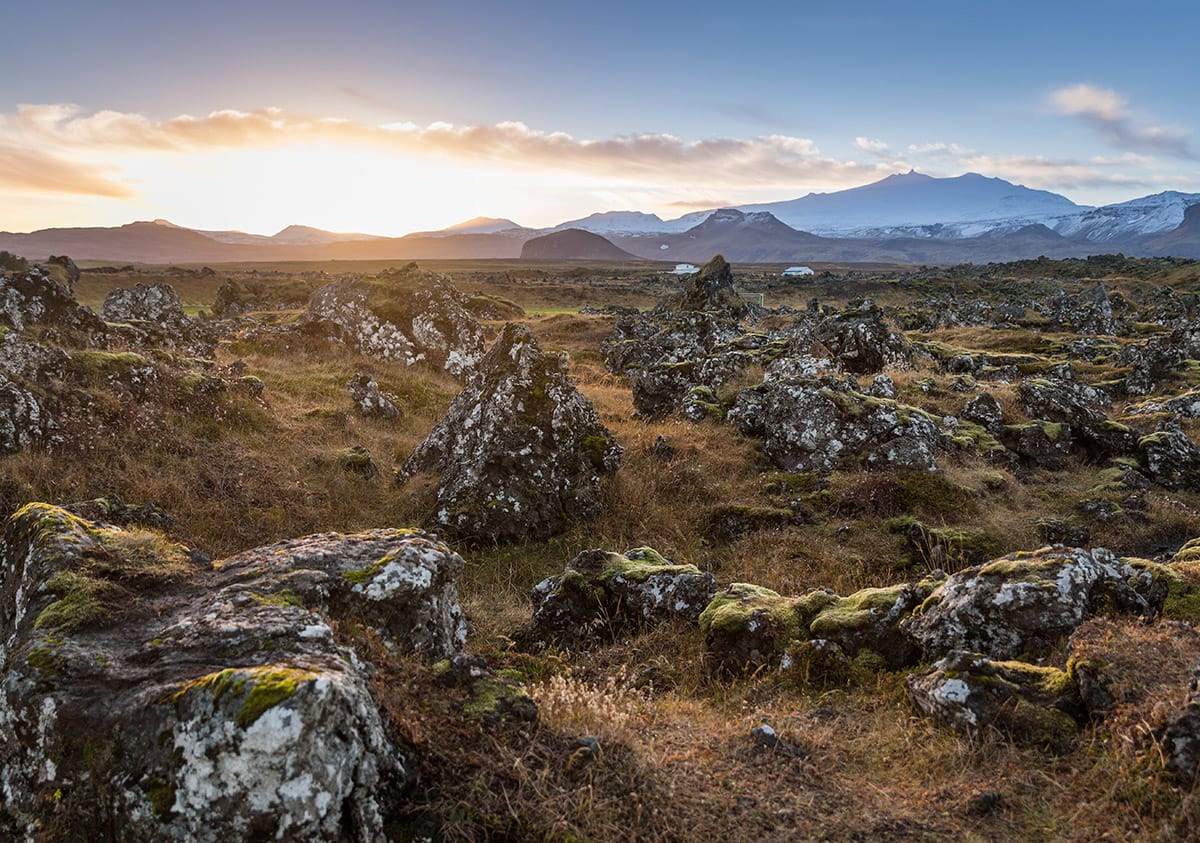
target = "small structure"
x: 795, y: 271
x: 685, y: 269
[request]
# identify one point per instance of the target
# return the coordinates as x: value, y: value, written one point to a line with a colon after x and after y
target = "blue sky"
x: 1096, y: 101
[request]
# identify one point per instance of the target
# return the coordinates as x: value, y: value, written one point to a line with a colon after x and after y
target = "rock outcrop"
x: 371, y: 401
x: 817, y: 424
x: 152, y: 314
x: 180, y: 701
x: 429, y: 322
x: 520, y: 452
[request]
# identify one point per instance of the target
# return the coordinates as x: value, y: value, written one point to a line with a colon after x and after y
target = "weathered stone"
x: 1036, y: 706
x: 747, y: 626
x: 602, y: 594
x: 1170, y: 459
x: 23, y: 421
x: 494, y: 697
x: 1024, y: 602
x: 520, y: 451
x: 984, y: 410
x: 861, y: 341
x: 185, y: 703
x: 364, y: 389
x: 817, y: 424
x: 152, y: 314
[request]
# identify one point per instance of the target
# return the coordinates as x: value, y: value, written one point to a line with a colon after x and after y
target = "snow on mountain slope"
x: 1146, y: 215
x: 914, y: 199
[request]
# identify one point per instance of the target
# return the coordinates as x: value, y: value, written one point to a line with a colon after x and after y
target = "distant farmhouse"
x: 690, y: 269
x: 794, y: 271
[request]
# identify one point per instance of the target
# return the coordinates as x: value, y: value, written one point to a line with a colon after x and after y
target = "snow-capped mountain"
x: 1146, y: 215
x: 632, y: 223
x: 912, y: 200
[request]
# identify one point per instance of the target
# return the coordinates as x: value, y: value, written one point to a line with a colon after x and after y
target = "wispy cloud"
x: 938, y: 150
x: 1049, y: 173
x: 1108, y: 113
x: 25, y: 170
x: 768, y: 160
x: 876, y: 147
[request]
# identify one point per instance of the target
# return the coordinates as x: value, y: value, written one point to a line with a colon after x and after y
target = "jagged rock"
x: 23, y: 421
x: 1024, y: 602
x: 601, y: 595
x: 429, y: 323
x: 235, y: 298
x: 861, y: 341
x: 816, y: 424
x: 364, y: 389
x: 35, y: 298
x: 747, y: 626
x: 30, y: 361
x: 1036, y: 706
x: 711, y: 288
x: 1080, y: 408
x: 182, y: 702
x: 1042, y: 443
x: 153, y: 314
x: 984, y: 410
x: 68, y: 266
x: 520, y: 451
x: 1170, y: 459
x: 882, y: 386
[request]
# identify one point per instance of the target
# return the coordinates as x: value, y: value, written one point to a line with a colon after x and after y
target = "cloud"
x: 939, y: 150
x: 1107, y: 112
x: 24, y: 170
x: 1049, y: 173
x: 768, y: 160
x: 699, y: 204
x: 876, y: 147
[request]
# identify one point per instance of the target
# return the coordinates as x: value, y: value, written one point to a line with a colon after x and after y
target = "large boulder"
x: 817, y: 424
x: 520, y: 452
x: 1025, y: 602
x: 603, y: 594
x: 183, y: 701
x: 1171, y: 459
x: 861, y: 341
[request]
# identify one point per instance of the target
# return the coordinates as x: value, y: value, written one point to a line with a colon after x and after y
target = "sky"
x: 390, y: 117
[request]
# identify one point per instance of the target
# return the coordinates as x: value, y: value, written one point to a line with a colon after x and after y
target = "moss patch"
x: 260, y: 688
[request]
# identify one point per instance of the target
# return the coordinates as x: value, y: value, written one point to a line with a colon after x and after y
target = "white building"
x: 794, y: 271
x: 685, y: 269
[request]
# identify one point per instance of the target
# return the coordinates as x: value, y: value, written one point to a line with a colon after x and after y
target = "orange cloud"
x: 774, y: 160
x: 24, y: 170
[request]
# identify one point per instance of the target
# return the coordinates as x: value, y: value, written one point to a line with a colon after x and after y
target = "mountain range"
x: 905, y: 218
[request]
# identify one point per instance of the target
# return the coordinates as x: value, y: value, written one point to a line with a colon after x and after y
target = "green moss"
x: 856, y: 611
x: 595, y: 447
x: 730, y: 610
x: 975, y: 437
x: 83, y: 600
x: 260, y: 688
x: 286, y: 597
x: 1190, y: 552
x: 1039, y: 725
x: 45, y: 655
x: 1053, y: 430
x: 161, y: 795
x: 107, y: 362
x: 361, y: 575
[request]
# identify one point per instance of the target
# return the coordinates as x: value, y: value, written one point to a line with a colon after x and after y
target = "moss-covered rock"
x: 1035, y: 706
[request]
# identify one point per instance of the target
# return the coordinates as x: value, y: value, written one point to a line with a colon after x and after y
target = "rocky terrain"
x: 545, y: 552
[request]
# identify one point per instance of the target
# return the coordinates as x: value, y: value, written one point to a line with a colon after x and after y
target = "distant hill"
x: 574, y: 244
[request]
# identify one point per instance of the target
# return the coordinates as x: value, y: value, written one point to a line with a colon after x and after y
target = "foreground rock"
x: 520, y: 452
x: 1036, y: 706
x: 185, y: 703
x: 603, y: 594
